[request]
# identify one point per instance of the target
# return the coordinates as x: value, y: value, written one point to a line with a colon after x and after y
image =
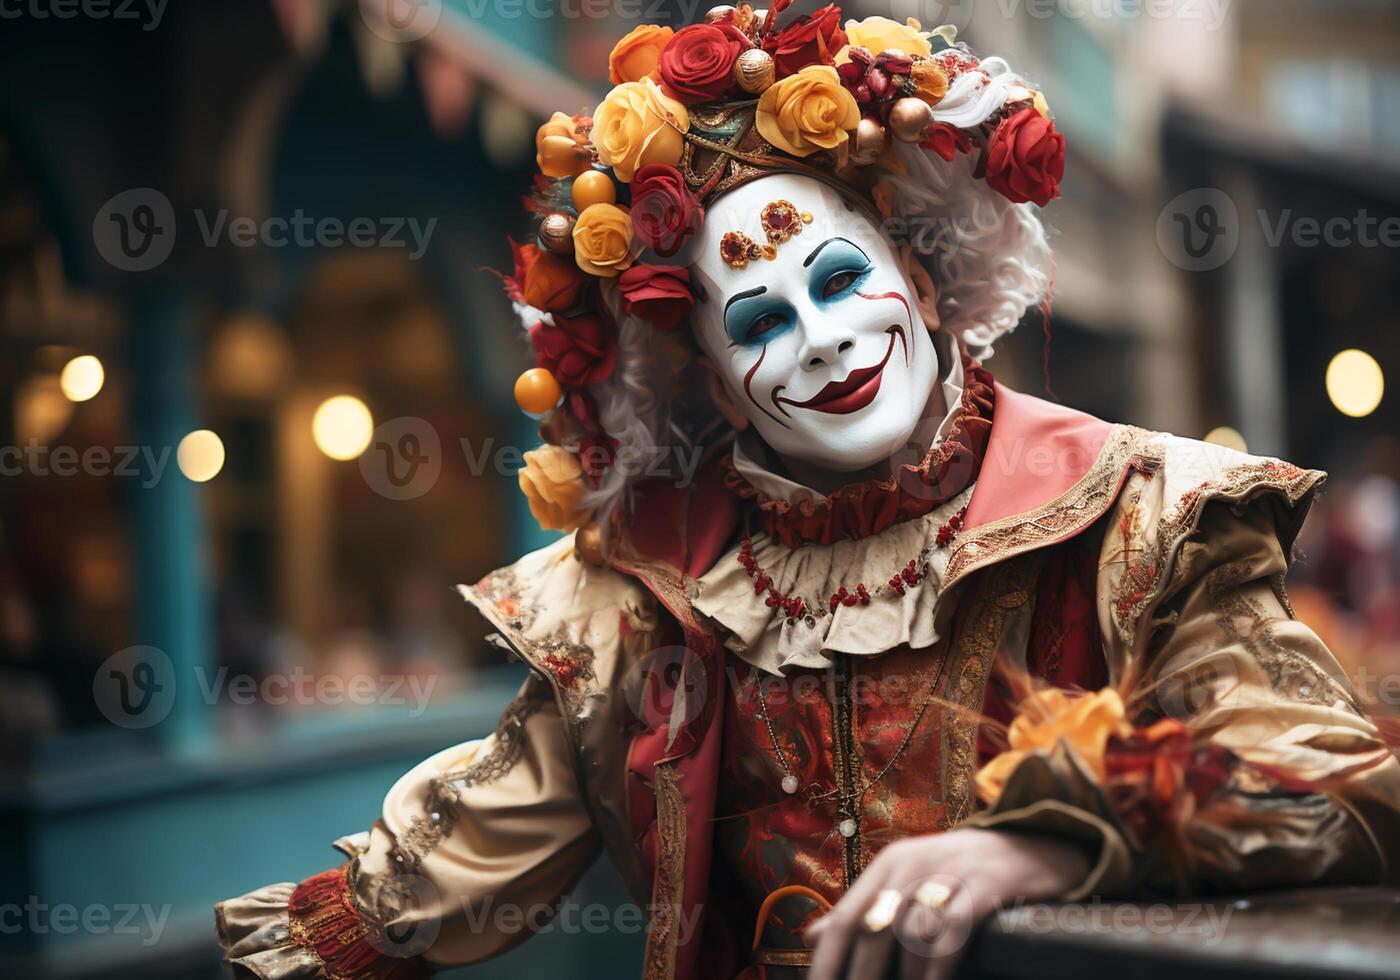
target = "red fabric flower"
x: 664, y: 211
x: 657, y: 293
x: 577, y: 350
x: 807, y: 41
x: 1026, y: 159
x: 947, y: 141
x: 698, y: 63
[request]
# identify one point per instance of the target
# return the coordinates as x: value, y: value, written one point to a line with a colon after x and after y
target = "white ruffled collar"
x: 765, y: 637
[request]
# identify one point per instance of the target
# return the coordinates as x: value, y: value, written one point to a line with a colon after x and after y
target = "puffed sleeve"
x: 474, y: 846
x: 1282, y: 780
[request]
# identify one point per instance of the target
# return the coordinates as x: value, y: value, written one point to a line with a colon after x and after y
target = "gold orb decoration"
x: 870, y: 142
x: 593, y: 187
x: 754, y: 70
x: 588, y: 544
x: 910, y: 119
x: 557, y: 234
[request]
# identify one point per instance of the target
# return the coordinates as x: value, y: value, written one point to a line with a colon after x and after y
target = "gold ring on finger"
x: 881, y: 913
x: 933, y: 895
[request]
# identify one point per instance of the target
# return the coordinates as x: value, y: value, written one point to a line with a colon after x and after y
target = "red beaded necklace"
x: 797, y: 607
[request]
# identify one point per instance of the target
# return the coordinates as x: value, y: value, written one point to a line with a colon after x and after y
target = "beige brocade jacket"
x: 1195, y: 544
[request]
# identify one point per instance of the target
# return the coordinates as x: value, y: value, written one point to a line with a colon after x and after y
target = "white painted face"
x: 822, y: 347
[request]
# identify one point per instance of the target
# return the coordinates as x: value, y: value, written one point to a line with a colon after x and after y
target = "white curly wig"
x: 988, y: 257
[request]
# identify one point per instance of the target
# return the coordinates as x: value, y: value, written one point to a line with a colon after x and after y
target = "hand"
x: 983, y: 869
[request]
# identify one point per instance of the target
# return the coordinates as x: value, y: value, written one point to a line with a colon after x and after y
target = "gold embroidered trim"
x: 1150, y: 566
x: 1292, y: 675
x: 444, y: 797
x: 1006, y: 594
x: 1066, y: 515
x: 668, y: 891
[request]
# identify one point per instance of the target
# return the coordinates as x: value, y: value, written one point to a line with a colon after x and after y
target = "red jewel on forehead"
x: 780, y: 220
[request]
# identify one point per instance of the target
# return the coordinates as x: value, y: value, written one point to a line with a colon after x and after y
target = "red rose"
x: 807, y: 41
x: 577, y: 350
x: 697, y: 64
x: 947, y: 141
x: 659, y: 294
x: 1026, y: 159
x: 664, y: 212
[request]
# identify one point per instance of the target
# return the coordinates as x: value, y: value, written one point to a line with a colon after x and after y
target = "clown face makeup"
x: 821, y: 346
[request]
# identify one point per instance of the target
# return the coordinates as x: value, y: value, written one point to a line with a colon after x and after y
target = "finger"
x: 871, y: 953
x: 834, y: 932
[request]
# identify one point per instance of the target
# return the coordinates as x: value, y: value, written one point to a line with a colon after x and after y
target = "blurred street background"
x: 255, y: 386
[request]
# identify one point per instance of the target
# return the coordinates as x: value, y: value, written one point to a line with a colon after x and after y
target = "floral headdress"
x: 698, y: 111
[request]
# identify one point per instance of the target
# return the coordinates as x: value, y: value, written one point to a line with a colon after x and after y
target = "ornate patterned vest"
x: 849, y: 736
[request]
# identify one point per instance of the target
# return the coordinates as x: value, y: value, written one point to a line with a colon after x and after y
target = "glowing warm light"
x: 82, y: 378
x: 200, y: 455
x: 1355, y: 383
x: 1227, y: 437
x: 41, y: 411
x: 342, y: 427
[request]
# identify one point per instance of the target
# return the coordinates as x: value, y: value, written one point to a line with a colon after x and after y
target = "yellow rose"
x: 630, y: 128
x: 1049, y: 717
x: 877, y: 34
x: 552, y: 482
x: 603, y: 244
x: 807, y: 112
x: 635, y: 56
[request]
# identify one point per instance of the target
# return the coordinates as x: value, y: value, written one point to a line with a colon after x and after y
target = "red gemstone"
x: 780, y: 219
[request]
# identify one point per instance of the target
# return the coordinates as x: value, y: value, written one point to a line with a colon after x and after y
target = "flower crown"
x: 699, y: 111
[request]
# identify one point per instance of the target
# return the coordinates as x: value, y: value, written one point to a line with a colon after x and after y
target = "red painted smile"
x: 854, y: 392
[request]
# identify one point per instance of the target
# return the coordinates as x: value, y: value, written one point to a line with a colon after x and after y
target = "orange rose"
x: 1048, y: 717
x: 635, y: 56
x: 807, y: 112
x: 552, y: 283
x: 930, y: 81
x: 552, y: 482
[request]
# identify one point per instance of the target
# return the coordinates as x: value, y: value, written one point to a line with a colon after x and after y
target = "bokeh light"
x: 1229, y: 438
x: 342, y: 427
x: 200, y: 455
x: 82, y: 378
x: 1355, y: 383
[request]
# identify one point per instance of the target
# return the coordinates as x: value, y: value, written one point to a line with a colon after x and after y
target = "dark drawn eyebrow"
x: 757, y: 291
x: 815, y: 251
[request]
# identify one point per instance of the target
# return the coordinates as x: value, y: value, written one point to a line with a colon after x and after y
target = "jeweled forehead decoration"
x: 780, y: 220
